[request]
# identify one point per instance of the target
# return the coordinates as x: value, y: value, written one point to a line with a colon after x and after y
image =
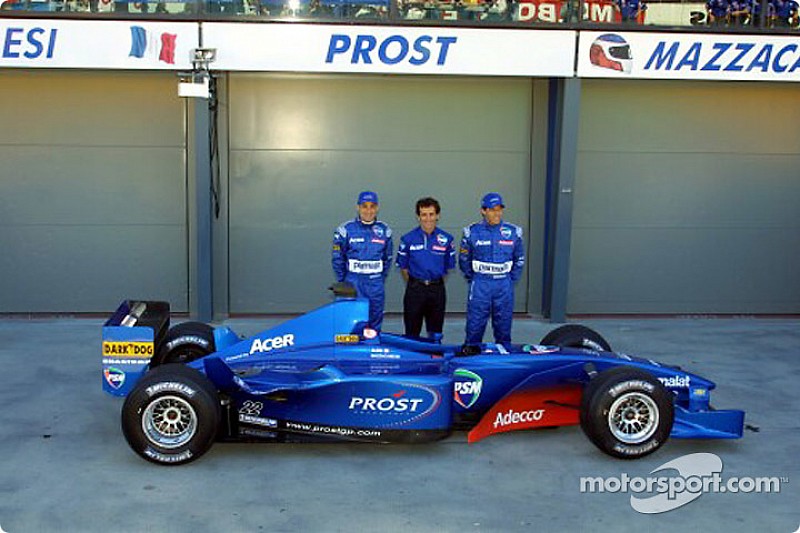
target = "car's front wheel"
x: 576, y: 336
x: 172, y: 415
x: 626, y: 412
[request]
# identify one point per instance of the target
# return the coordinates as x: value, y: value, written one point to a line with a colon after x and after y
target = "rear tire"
x: 626, y: 412
x: 184, y: 343
x: 576, y: 336
x: 172, y: 415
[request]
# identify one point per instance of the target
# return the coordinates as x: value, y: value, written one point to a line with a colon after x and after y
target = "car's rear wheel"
x: 184, y: 343
x: 172, y: 415
x: 626, y: 412
x: 576, y: 336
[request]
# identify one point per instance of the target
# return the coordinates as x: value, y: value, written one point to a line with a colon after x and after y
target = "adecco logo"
x: 697, y: 473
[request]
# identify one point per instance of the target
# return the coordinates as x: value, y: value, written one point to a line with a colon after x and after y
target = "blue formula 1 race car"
x: 326, y: 376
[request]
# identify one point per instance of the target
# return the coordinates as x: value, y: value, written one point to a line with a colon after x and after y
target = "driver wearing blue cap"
x: 492, y: 258
x: 362, y: 255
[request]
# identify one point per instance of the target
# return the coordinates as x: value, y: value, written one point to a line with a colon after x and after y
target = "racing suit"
x: 492, y: 259
x: 362, y: 255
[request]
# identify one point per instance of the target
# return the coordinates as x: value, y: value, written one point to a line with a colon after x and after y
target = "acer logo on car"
x: 394, y: 403
x: 267, y: 345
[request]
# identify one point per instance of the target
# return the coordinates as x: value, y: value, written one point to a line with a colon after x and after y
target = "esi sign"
x: 688, y: 57
x: 390, y: 50
x: 133, y: 45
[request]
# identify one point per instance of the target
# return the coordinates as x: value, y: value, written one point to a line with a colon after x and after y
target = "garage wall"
x: 92, y: 191
x: 687, y: 199
x: 302, y: 147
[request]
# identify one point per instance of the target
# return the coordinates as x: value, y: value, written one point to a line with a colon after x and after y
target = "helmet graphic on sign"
x: 612, y: 52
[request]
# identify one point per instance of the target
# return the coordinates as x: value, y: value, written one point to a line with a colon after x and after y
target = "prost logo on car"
x: 466, y: 387
x: 391, y: 404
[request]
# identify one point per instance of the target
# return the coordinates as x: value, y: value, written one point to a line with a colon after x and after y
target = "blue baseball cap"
x: 491, y: 200
x: 367, y: 196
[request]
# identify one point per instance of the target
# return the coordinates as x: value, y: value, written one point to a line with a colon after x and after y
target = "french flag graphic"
x: 152, y: 45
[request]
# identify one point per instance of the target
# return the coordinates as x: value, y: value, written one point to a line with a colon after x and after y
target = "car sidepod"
x: 328, y: 404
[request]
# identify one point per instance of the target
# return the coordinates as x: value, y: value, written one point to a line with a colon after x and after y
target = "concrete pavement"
x: 66, y: 466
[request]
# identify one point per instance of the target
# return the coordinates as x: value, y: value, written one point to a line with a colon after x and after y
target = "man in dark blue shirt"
x: 425, y: 255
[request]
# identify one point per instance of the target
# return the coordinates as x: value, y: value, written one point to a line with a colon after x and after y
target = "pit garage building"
x: 667, y: 189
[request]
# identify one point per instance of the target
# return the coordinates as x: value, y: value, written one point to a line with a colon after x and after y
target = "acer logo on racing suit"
x: 466, y: 387
x: 267, y: 345
x: 394, y: 404
x: 676, y: 382
x: 483, y: 243
x: 513, y: 417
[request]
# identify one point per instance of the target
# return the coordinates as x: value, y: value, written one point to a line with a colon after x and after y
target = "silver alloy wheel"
x: 169, y: 422
x: 633, y: 418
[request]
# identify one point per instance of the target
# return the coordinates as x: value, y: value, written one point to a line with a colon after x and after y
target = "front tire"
x: 172, y: 415
x: 576, y: 336
x: 626, y: 412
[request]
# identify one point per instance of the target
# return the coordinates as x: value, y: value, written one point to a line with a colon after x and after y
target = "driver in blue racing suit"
x: 492, y: 258
x: 362, y: 255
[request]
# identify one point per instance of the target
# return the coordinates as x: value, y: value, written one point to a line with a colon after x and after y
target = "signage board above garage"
x: 47, y: 43
x: 390, y: 50
x: 688, y: 56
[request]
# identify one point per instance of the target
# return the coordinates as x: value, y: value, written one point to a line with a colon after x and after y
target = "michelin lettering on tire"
x: 630, y: 385
x: 187, y: 339
x: 170, y: 386
x: 168, y: 458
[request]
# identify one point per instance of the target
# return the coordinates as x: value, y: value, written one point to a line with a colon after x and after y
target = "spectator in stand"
x: 755, y: 12
x: 718, y: 12
x: 631, y: 11
x: 784, y: 13
x: 740, y: 12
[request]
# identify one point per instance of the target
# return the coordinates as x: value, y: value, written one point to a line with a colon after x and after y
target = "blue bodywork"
x: 326, y: 375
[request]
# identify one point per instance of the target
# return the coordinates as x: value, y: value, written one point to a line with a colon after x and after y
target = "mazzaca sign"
x: 47, y: 43
x: 688, y: 57
x: 390, y: 50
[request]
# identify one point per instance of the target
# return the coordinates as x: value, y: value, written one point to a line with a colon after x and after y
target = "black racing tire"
x: 172, y: 415
x: 576, y: 336
x: 184, y: 343
x: 627, y: 412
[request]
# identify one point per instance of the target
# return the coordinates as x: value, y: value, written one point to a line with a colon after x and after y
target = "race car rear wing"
x: 130, y: 339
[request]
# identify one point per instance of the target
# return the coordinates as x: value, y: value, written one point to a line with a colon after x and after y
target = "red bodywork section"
x: 530, y: 409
